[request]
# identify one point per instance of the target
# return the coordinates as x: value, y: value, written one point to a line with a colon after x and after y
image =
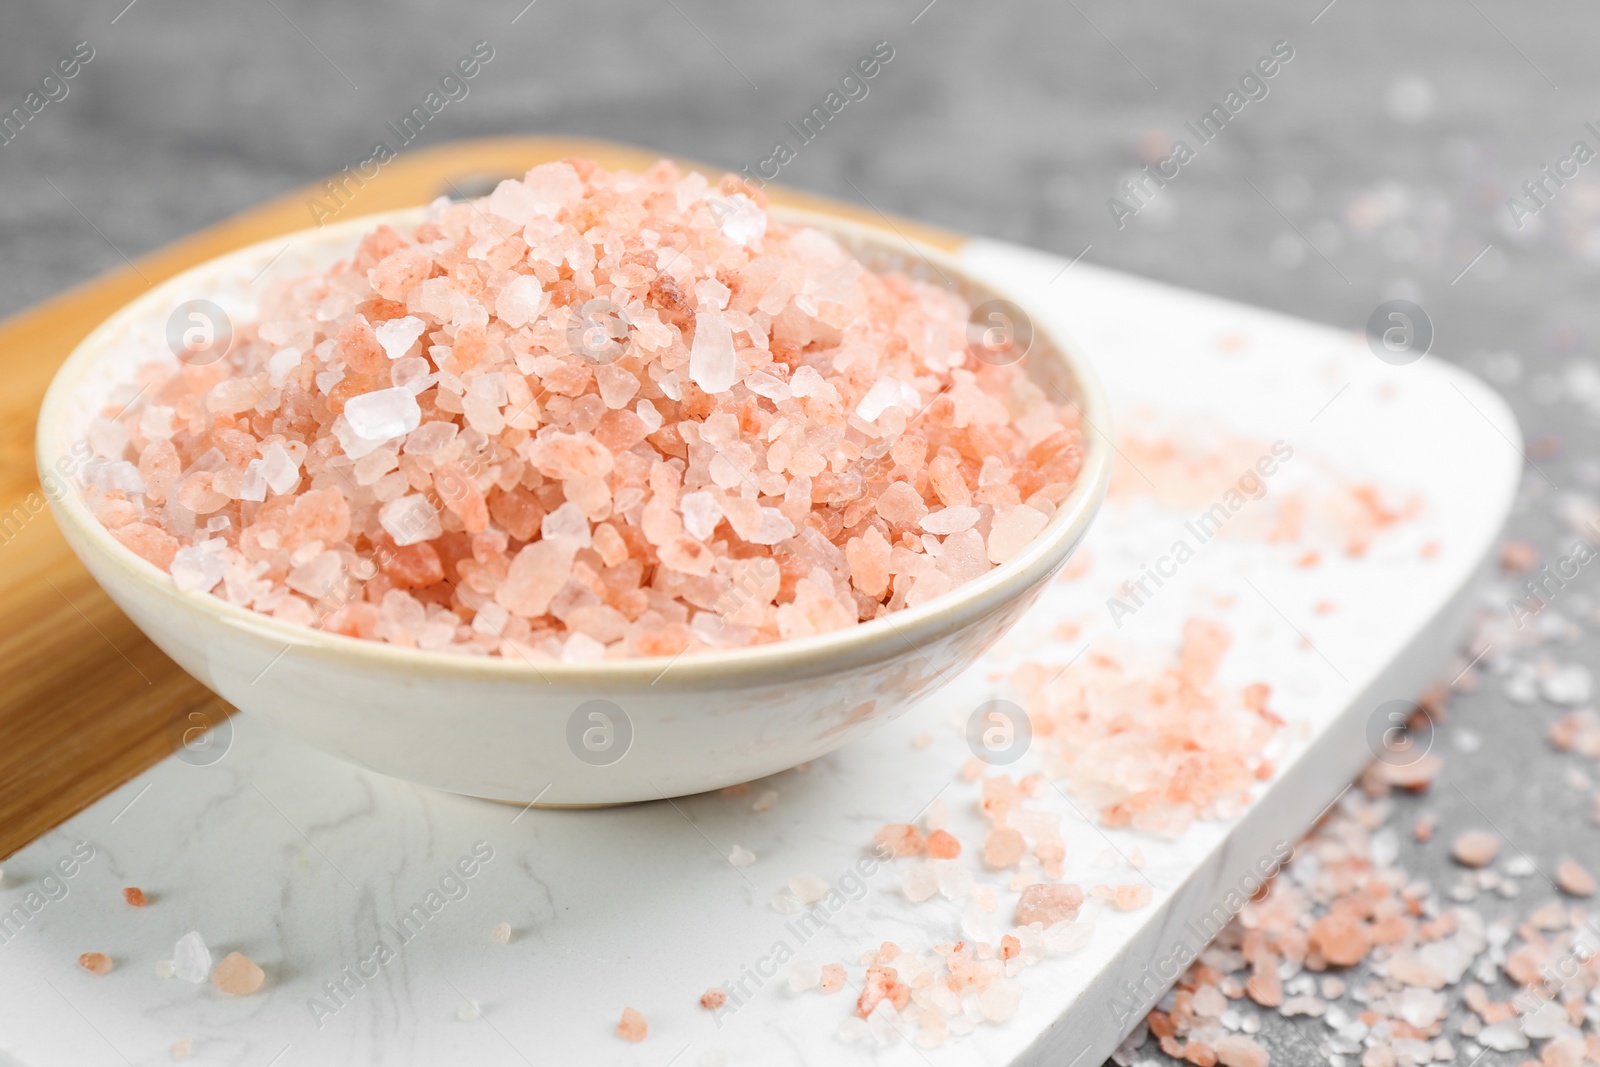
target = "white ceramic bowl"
x: 564, y: 734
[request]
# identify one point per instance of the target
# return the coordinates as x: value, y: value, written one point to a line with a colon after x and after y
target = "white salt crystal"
x: 520, y: 301
x: 191, y: 960
x: 468, y: 1012
x: 774, y: 528
x: 430, y: 437
x: 281, y: 472
x: 888, y: 393
x: 501, y: 933
x: 410, y: 519
x: 808, y: 888
x: 999, y: 1002
x: 765, y: 801
x: 851, y: 1029
x: 742, y: 220
x: 165, y: 968
x: 1505, y: 1036
x: 950, y: 520
x: 254, y: 484
x: 955, y: 880
x: 317, y: 576
x: 567, y: 521
x: 763, y: 384
x: 918, y: 882
x: 804, y: 974
x: 198, y: 568
x: 1569, y: 685
x: 397, y: 336
x: 383, y: 414
x: 977, y: 924
x: 155, y: 421
x: 713, y: 293
x: 701, y: 514
x: 648, y: 415
x: 741, y: 857
x: 713, y: 366
x: 413, y: 374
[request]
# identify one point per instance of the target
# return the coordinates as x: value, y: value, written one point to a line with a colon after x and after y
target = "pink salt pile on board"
x: 593, y: 415
x: 1147, y: 741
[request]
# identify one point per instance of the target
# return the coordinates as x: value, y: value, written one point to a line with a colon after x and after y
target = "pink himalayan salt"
x: 1002, y: 849
x: 95, y: 962
x: 1237, y: 1050
x: 713, y: 998
x: 1574, y: 879
x: 1340, y: 939
x: 135, y: 897
x: 633, y: 1026
x: 1475, y: 848
x: 942, y: 845
x: 237, y: 975
x: 899, y: 839
x: 403, y: 423
x: 1130, y: 897
x: 1048, y: 903
x: 833, y: 976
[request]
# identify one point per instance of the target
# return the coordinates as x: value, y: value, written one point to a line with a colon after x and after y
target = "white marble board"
x: 300, y: 861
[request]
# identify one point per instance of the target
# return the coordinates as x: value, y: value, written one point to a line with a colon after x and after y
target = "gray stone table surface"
x: 1378, y: 165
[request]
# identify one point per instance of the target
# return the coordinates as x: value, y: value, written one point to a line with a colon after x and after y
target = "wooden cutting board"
x: 86, y: 701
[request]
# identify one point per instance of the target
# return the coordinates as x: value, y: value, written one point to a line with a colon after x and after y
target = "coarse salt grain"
x: 237, y: 975
x: 633, y: 1026
x: 746, y: 394
x: 95, y: 962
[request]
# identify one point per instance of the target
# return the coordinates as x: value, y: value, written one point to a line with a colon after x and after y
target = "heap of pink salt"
x: 594, y: 414
x: 1152, y: 743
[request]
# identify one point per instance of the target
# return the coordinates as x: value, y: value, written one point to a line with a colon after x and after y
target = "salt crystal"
x: 198, y: 569
x: 742, y: 220
x: 396, y: 336
x: 237, y: 975
x: 633, y: 1026
x: 191, y: 960
x: 280, y: 364
x: 1504, y: 1036
x: 804, y: 974
x: 1569, y: 685
x: 888, y: 392
x: 468, y: 1011
x: 1013, y: 530
x: 383, y: 415
x: 501, y: 933
x: 165, y: 968
x: 701, y: 514
x: 808, y: 888
x: 950, y: 520
x: 741, y: 857
x: 520, y: 301
x: 95, y: 963
x: 713, y: 365
x: 410, y: 520
x: 1475, y: 848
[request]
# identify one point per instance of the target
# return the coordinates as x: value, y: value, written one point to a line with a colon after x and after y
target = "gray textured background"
x: 1389, y: 143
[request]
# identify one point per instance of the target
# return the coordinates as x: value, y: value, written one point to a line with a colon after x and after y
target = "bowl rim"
x: 869, y: 642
